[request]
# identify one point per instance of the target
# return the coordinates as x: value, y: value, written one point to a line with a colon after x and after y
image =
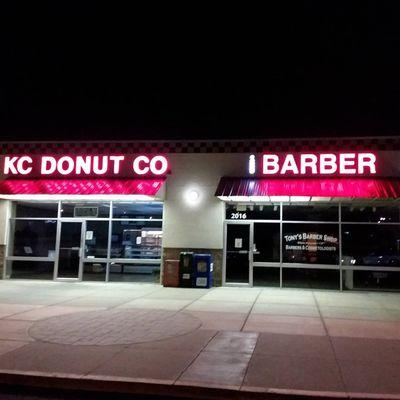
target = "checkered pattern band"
x: 203, y: 146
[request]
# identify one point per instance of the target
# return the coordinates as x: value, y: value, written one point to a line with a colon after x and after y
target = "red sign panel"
x: 147, y: 187
x: 384, y: 188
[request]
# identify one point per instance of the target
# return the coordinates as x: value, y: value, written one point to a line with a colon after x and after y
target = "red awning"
x: 340, y: 187
x: 81, y: 186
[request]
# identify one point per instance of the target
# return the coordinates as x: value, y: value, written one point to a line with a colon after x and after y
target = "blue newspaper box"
x: 202, y: 271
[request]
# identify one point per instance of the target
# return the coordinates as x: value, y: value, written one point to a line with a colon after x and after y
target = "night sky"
x: 307, y: 69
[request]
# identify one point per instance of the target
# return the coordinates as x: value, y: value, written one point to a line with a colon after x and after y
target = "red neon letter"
x: 117, y: 160
x: 96, y: 165
x: 270, y: 164
x: 136, y: 165
x: 68, y: 169
x: 366, y: 160
x: 163, y: 165
x: 48, y: 165
x: 289, y: 165
x: 347, y: 160
x: 83, y: 164
x: 20, y: 165
x: 9, y: 165
x: 308, y: 161
x: 327, y: 164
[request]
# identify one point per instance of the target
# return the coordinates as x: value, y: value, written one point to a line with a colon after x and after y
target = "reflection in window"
x: 30, y: 269
x: 142, y: 210
x: 266, y: 242
x: 310, y: 243
x: 370, y: 213
x: 317, y: 212
x: 34, y: 238
x: 36, y: 210
x: 263, y: 276
x: 94, y: 272
x: 371, y: 245
x: 121, y: 272
x: 136, y: 239
x: 85, y: 210
x: 376, y: 280
x: 311, y: 278
x: 96, y: 239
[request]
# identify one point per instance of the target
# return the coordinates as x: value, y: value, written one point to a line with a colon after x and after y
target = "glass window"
x: 96, y: 239
x: 36, y: 210
x: 122, y: 272
x: 136, y: 239
x: 375, y: 280
x: 142, y: 210
x: 86, y: 210
x: 94, y: 272
x: 315, y: 212
x: 253, y: 211
x: 370, y: 213
x: 310, y: 243
x: 34, y: 238
x: 266, y: 241
x: 371, y: 245
x: 30, y: 269
x: 312, y: 278
x: 263, y: 276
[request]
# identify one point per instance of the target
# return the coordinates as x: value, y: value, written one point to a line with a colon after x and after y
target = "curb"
x: 150, y: 387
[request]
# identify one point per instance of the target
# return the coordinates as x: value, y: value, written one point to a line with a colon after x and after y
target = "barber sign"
x: 313, y: 164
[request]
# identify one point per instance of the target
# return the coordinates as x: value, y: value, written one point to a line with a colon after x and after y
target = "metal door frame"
x: 250, y: 254
x: 81, y: 251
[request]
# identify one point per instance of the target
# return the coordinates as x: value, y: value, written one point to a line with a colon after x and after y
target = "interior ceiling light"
x: 279, y: 198
x: 300, y: 198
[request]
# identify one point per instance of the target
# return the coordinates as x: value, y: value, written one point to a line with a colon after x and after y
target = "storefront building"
x: 315, y: 213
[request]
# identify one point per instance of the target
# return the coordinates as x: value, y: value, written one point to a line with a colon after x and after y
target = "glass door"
x: 70, y: 250
x: 238, y: 256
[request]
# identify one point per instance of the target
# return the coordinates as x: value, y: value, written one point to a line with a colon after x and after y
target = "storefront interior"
x: 318, y: 243
x: 117, y: 241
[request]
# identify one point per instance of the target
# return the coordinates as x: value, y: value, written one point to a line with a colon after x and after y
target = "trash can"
x: 203, y: 270
x: 171, y: 273
x: 186, y: 269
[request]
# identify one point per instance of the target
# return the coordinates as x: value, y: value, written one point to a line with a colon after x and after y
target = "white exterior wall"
x: 198, y: 224
x: 5, y: 207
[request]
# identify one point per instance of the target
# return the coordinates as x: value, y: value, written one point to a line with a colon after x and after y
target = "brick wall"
x: 173, y: 254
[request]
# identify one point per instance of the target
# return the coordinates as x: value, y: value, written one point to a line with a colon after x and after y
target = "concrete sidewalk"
x: 223, y: 342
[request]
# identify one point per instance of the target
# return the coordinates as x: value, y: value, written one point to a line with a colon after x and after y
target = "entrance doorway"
x: 70, y: 252
x: 238, y: 254
x: 252, y: 253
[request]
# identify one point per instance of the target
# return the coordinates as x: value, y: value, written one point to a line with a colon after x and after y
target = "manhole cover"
x: 110, y: 327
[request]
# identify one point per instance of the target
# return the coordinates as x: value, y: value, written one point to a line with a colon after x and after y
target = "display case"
x: 141, y: 243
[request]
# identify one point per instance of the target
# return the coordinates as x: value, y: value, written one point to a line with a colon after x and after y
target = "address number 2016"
x: 238, y: 216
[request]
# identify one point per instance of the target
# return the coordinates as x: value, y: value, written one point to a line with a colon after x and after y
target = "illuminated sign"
x: 314, y: 164
x: 111, y: 166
